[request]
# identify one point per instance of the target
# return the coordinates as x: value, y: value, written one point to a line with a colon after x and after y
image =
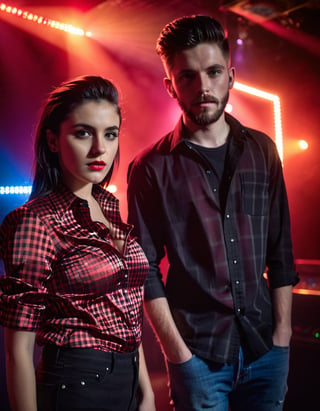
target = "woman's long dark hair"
x: 59, y: 105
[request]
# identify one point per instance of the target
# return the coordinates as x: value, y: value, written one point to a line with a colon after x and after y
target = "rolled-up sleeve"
x: 27, y: 252
x: 280, y: 260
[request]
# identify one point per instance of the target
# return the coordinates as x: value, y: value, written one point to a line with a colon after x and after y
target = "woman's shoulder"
x: 35, y: 209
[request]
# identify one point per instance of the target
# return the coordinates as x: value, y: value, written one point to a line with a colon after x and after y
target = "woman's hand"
x: 147, y: 402
x: 145, y: 394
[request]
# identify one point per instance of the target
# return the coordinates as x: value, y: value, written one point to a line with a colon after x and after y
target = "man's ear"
x: 168, y: 85
x: 231, y: 77
x: 52, y: 141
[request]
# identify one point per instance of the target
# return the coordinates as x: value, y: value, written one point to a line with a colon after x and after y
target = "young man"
x: 211, y: 194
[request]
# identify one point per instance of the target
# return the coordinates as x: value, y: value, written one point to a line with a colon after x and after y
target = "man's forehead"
x: 203, y: 56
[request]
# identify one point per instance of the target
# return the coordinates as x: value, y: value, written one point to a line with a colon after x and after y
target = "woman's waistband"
x: 51, y: 354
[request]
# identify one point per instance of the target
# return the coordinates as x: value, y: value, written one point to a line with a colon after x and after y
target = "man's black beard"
x: 203, y: 118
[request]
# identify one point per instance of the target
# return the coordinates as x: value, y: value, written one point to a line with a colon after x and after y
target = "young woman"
x: 74, y: 274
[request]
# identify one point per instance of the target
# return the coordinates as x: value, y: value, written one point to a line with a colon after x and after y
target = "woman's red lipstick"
x: 97, y: 165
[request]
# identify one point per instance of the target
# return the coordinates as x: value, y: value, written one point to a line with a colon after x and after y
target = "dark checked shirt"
x: 219, y: 236
x: 65, y: 279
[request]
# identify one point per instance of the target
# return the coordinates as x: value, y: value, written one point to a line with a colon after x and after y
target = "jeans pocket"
x: 187, y: 373
x: 281, y: 348
x: 180, y: 364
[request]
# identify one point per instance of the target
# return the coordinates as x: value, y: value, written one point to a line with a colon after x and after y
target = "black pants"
x: 74, y: 379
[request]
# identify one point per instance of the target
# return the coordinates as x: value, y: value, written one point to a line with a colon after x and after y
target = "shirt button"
x: 208, y: 171
x: 235, y: 261
x: 126, y: 276
x: 63, y: 386
x: 231, y: 240
x: 238, y: 310
x: 227, y: 215
x: 82, y: 382
x: 214, y: 190
x: 237, y: 282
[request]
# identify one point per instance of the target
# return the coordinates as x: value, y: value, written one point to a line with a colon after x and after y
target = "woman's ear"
x: 168, y: 85
x: 52, y: 141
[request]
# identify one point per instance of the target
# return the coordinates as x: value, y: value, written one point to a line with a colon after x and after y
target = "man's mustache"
x: 205, y: 98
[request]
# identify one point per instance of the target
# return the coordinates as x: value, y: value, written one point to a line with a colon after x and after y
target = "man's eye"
x: 186, y: 76
x: 214, y: 72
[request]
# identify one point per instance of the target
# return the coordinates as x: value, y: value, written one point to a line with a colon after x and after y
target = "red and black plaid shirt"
x: 65, y: 279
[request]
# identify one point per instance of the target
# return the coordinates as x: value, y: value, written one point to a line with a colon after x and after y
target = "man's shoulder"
x: 259, y: 135
x: 263, y: 142
x: 154, y: 152
x: 239, y: 129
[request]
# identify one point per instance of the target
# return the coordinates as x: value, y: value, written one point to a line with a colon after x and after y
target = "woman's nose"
x: 98, y: 145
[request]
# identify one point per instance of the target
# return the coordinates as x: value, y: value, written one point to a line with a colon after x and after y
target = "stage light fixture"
x: 228, y: 108
x: 303, y: 144
x: 35, y: 18
x: 112, y: 188
x: 276, y: 110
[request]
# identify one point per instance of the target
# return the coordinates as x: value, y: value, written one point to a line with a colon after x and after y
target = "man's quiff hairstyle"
x: 187, y: 32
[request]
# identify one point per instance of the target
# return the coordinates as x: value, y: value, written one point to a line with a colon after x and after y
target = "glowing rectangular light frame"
x: 276, y: 111
x: 35, y: 18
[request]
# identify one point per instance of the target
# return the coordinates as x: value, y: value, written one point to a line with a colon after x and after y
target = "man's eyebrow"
x: 215, y: 66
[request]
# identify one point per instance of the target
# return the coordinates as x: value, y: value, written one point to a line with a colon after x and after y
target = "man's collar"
x: 180, y: 133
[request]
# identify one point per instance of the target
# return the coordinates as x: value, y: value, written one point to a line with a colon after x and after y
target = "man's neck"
x: 214, y: 135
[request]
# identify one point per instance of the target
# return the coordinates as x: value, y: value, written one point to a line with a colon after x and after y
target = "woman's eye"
x: 82, y: 133
x: 111, y: 135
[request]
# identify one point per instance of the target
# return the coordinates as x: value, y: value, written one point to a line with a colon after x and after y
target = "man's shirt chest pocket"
x: 254, y: 193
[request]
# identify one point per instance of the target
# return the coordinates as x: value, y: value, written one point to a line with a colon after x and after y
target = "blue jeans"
x: 258, y: 386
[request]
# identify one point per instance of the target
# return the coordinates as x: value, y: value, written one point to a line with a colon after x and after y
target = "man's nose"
x: 204, y: 85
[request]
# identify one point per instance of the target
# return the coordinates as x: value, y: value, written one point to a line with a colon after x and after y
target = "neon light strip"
x: 5, y: 190
x: 276, y: 110
x: 304, y: 291
x: 34, y: 18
